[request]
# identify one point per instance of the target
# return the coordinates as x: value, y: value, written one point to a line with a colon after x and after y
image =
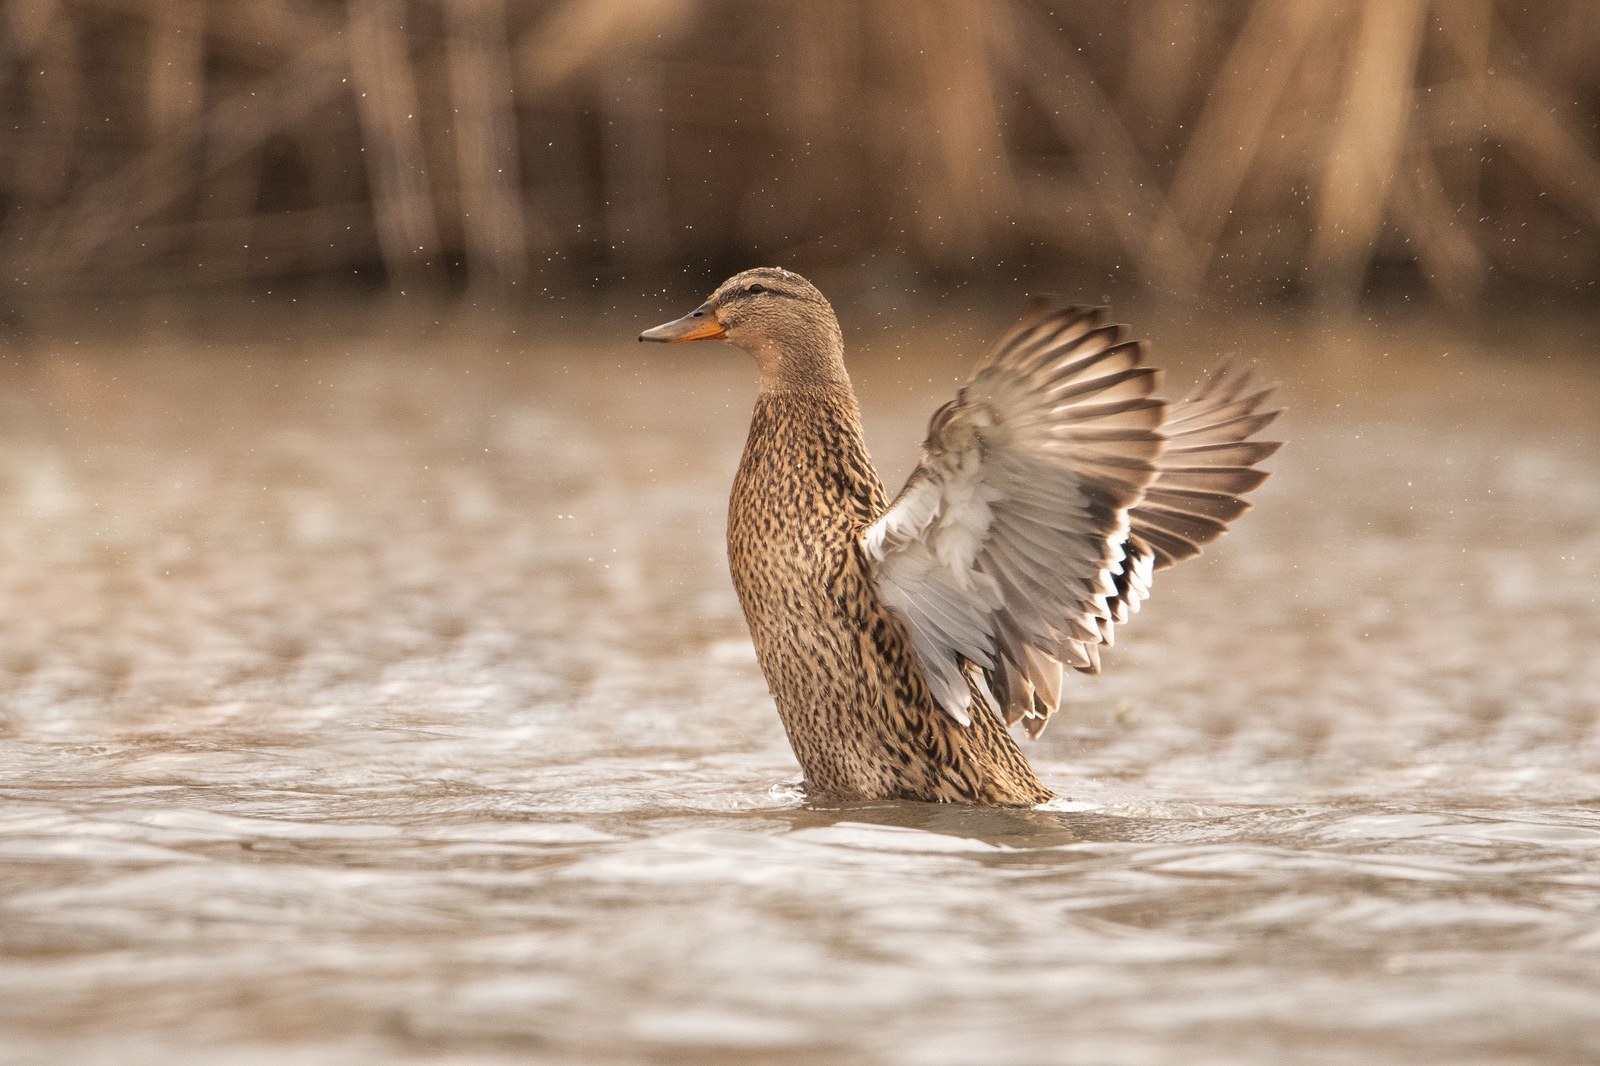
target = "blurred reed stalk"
x: 391, y: 127
x: 494, y: 232
x: 1260, y: 144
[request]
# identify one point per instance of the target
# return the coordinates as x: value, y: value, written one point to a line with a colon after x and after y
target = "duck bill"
x: 698, y: 325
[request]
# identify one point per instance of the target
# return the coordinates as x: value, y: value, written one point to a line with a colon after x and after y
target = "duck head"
x: 777, y: 316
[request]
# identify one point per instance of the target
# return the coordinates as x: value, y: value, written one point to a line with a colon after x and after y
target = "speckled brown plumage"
x: 900, y: 639
x: 840, y: 666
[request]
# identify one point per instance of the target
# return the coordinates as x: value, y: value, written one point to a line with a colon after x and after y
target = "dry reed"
x: 1198, y: 146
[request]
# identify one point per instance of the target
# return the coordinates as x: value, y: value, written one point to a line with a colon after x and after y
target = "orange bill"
x: 699, y: 324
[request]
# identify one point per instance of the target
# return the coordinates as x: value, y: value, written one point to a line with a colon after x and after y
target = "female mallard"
x: 900, y: 640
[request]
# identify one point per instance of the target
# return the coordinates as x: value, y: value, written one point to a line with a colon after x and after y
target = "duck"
x: 903, y: 639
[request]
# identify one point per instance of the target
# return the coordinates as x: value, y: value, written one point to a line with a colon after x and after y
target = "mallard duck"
x: 901, y: 639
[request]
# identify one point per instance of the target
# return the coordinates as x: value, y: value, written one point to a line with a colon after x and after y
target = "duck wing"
x: 1003, y: 549
x: 1049, y: 492
x: 1202, y: 474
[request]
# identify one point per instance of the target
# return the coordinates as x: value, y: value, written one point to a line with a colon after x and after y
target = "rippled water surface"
x: 374, y: 692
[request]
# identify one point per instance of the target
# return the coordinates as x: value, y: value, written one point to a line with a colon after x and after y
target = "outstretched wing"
x: 1049, y: 492
x: 1003, y: 549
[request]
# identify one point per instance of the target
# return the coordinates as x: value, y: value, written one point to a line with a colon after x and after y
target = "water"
x: 375, y: 693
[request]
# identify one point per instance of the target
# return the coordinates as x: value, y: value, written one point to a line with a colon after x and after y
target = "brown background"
x: 1234, y: 149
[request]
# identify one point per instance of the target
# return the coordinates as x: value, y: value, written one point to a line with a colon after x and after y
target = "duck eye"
x: 757, y: 287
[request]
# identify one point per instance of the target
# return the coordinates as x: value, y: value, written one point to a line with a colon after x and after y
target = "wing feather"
x: 1201, y: 477
x: 1049, y: 491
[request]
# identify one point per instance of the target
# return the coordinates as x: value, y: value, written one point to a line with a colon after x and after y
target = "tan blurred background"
x: 1315, y: 149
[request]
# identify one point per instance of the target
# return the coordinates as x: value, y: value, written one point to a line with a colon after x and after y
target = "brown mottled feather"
x: 840, y: 666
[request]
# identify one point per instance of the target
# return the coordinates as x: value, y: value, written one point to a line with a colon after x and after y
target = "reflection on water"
x: 384, y: 697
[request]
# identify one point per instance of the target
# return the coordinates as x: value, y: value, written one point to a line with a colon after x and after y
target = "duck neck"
x: 805, y: 438
x: 808, y: 361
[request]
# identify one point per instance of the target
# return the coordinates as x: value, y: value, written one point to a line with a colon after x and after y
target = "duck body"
x: 839, y: 664
x: 902, y: 638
